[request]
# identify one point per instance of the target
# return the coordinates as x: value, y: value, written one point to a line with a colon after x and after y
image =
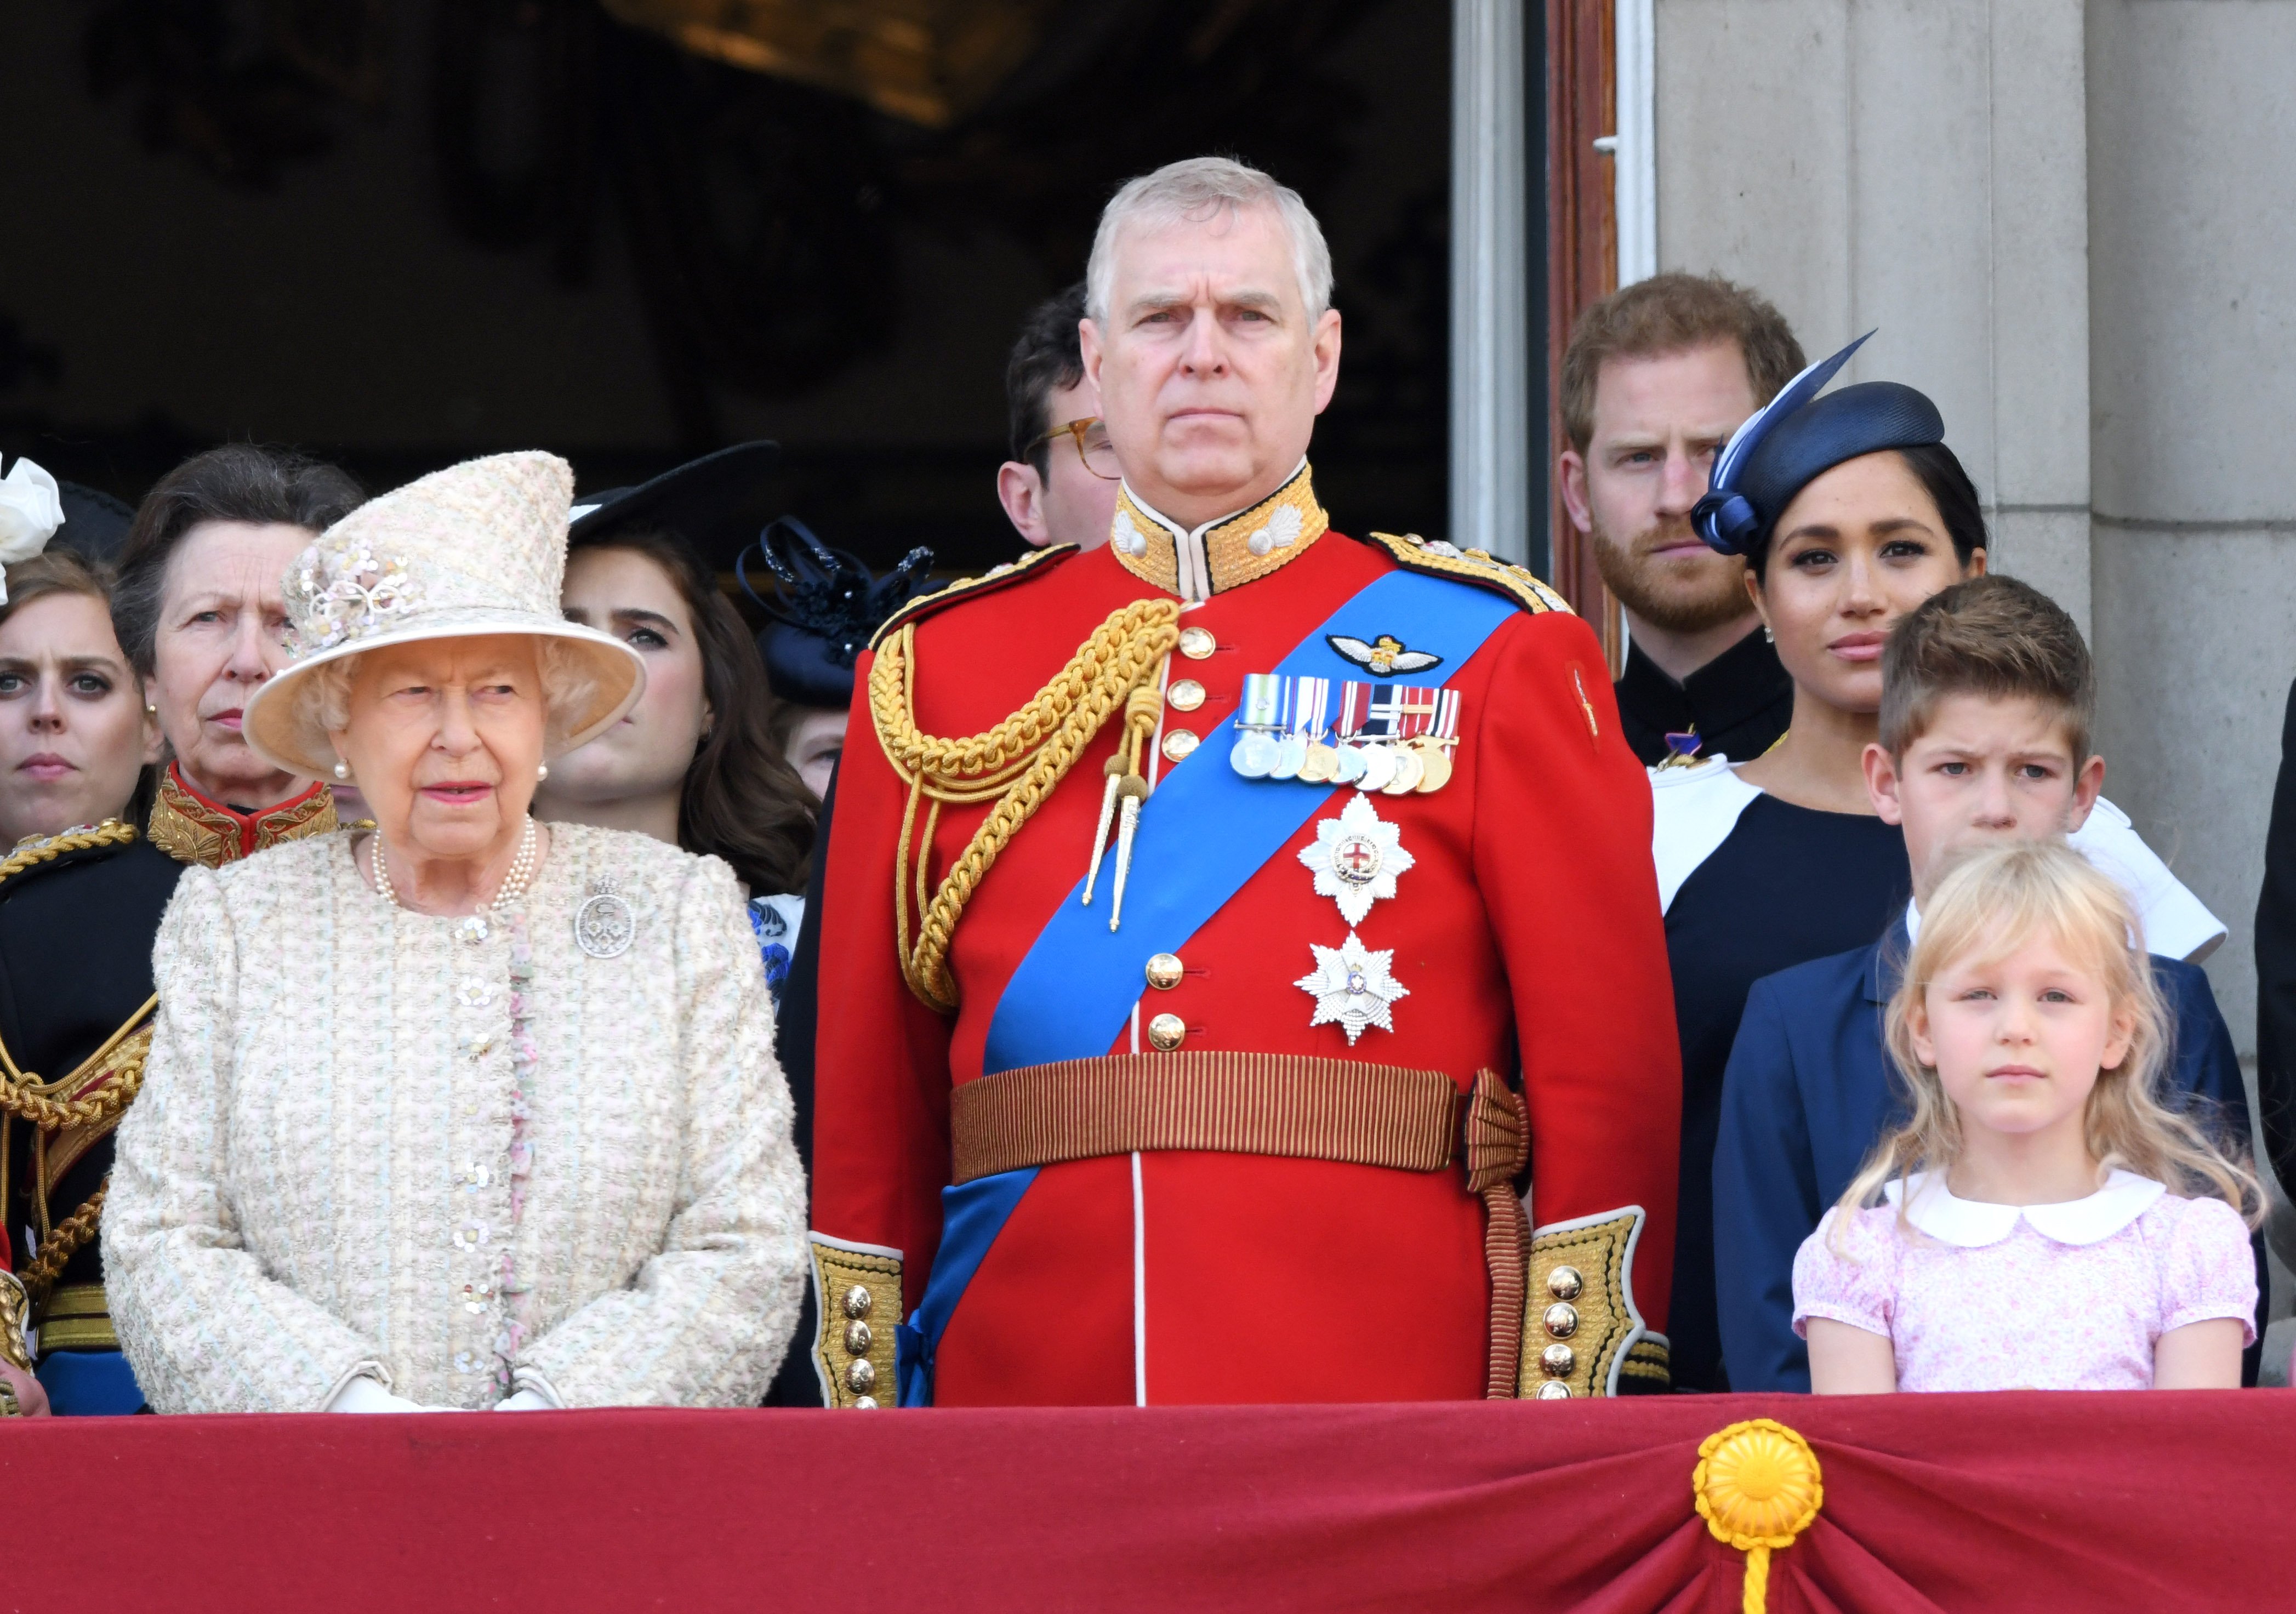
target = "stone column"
x: 2192, y: 160
x: 1490, y: 305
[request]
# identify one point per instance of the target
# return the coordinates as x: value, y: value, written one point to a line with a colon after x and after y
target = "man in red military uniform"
x: 1222, y: 925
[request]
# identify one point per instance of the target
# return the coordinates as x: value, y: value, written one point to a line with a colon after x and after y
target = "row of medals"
x: 1419, y: 766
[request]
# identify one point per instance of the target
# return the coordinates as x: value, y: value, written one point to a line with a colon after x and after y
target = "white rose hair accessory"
x: 31, y: 508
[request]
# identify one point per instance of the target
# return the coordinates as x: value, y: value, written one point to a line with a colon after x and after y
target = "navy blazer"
x: 1807, y: 1095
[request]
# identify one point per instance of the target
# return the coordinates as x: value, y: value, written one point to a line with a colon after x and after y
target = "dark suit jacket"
x: 2276, y: 967
x: 1808, y: 1094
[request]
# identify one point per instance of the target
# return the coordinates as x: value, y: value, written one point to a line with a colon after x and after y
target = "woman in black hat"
x: 826, y: 609
x: 694, y: 763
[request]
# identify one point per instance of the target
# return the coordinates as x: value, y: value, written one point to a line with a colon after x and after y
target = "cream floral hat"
x: 478, y: 548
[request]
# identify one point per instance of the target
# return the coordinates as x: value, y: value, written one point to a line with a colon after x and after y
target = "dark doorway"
x: 403, y: 232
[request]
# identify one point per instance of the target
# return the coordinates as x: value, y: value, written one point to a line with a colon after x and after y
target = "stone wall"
x: 2072, y: 226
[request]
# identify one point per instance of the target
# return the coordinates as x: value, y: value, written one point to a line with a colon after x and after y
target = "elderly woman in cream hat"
x: 468, y: 1112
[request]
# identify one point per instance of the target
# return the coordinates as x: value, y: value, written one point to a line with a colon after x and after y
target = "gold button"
x: 1186, y: 695
x: 1554, y: 1390
x: 868, y: 1403
x: 1197, y: 642
x: 1164, y: 971
x: 1166, y: 1032
x: 1555, y: 1361
x: 1561, y: 1321
x: 1180, y: 744
x: 857, y: 1337
x: 1563, y: 1283
x: 857, y: 1301
x: 861, y: 1374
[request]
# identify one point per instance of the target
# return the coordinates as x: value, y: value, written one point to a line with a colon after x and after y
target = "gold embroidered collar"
x: 191, y: 827
x: 1221, y: 555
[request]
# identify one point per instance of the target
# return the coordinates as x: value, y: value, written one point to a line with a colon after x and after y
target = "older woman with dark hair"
x: 172, y: 650
x: 198, y: 611
x: 468, y: 1112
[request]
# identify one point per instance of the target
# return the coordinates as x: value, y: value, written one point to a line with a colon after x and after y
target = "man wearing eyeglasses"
x: 1220, y: 924
x: 1060, y: 485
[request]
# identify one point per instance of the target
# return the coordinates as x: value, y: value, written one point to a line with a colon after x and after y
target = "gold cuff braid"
x: 1580, y: 1330
x: 1018, y: 763
x: 857, y: 1288
x: 15, y: 1314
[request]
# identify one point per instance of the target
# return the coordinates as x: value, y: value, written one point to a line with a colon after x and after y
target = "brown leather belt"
x: 1285, y: 1105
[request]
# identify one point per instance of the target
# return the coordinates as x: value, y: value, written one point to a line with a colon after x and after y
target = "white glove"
x: 366, y: 1395
x: 527, y: 1401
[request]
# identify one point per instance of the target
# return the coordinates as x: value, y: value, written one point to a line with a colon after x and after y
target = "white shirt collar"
x: 1973, y: 1223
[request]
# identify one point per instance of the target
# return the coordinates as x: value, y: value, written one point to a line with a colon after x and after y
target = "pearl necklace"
x: 513, y: 884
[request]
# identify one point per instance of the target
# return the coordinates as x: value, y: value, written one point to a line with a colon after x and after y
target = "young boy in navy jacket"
x: 1988, y: 697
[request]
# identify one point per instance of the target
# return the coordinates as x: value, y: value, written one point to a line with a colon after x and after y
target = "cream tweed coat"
x: 462, y: 1157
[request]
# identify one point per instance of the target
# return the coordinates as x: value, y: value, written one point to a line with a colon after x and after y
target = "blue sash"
x: 1074, y: 992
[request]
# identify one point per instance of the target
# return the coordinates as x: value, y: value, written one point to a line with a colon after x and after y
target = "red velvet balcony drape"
x: 2023, y: 1501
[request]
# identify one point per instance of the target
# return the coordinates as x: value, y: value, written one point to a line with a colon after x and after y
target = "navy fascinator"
x: 1797, y: 438
x: 827, y: 606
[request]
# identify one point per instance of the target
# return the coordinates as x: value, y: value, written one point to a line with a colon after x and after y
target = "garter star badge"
x: 1352, y: 985
x: 1356, y: 858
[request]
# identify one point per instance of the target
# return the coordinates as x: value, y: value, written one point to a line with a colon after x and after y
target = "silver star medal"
x: 1352, y: 985
x: 1356, y: 858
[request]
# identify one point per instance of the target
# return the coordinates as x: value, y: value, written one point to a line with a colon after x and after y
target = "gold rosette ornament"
x: 1758, y: 1488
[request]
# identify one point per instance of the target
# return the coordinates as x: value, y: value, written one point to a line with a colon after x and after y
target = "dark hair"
x: 57, y: 570
x: 1673, y: 313
x: 1992, y: 636
x: 237, y: 482
x: 1048, y: 356
x: 741, y: 802
x: 1939, y: 471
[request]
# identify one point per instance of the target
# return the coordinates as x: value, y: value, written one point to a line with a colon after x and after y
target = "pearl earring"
x: 342, y: 770
x: 1767, y: 636
x: 541, y: 773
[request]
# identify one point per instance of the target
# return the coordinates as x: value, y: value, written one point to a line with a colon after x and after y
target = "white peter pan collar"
x: 1973, y: 1223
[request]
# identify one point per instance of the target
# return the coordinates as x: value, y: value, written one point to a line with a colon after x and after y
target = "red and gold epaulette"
x: 1476, y: 566
x: 965, y: 588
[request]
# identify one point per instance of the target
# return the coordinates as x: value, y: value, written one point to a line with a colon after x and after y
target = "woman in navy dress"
x: 1850, y: 511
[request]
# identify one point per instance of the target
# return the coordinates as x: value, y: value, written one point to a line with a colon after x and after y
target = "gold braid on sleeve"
x: 1017, y: 764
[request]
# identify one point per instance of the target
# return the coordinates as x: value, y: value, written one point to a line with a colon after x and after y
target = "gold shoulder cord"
x: 1018, y: 763
x: 25, y: 1097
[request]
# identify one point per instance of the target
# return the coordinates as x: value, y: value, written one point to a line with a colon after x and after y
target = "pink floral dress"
x: 2036, y: 1297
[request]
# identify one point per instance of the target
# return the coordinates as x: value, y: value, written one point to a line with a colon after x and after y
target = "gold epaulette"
x: 31, y: 853
x: 1484, y: 570
x: 964, y: 589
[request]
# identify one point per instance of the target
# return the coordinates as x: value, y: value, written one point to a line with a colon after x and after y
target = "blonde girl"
x: 2042, y: 1220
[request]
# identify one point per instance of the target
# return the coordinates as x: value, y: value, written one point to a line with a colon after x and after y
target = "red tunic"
x: 1527, y: 930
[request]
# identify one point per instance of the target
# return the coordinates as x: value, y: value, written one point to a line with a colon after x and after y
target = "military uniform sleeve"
x: 1562, y: 850
x: 1765, y: 1203
x: 881, y: 1088
x: 707, y: 1316
x: 203, y: 1327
